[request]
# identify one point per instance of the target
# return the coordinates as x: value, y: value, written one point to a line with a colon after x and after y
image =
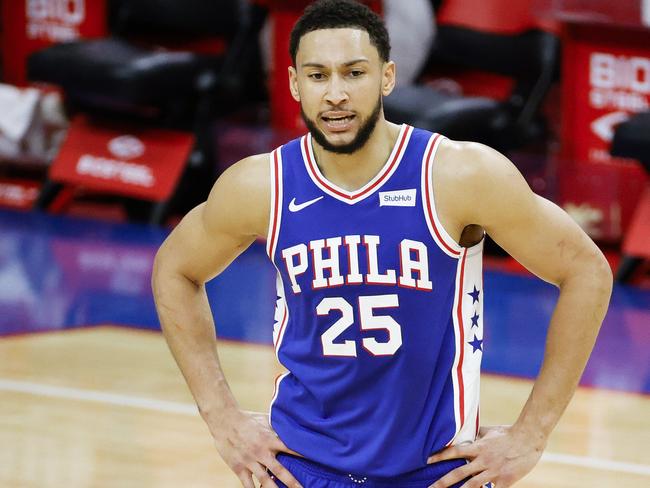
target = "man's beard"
x: 364, y: 133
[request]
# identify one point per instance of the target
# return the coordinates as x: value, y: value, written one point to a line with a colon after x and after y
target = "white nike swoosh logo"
x: 293, y: 207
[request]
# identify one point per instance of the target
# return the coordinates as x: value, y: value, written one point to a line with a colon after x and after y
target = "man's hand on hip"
x: 249, y: 446
x: 500, y: 455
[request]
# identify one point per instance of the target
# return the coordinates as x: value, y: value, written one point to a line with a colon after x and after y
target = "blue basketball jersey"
x: 379, y: 314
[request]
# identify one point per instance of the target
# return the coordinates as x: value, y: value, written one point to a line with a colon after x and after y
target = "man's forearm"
x: 574, y: 326
x: 188, y: 327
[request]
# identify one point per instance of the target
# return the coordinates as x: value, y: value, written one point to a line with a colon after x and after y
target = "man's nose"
x: 336, y: 91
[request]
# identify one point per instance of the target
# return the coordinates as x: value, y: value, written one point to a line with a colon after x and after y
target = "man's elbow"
x: 592, y: 268
x: 161, y: 272
x: 156, y: 270
x: 168, y: 272
x: 605, y: 275
x: 595, y: 273
x: 602, y: 284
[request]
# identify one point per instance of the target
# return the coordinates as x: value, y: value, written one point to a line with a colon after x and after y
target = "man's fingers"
x: 282, y: 474
x: 453, y: 452
x: 443, y: 455
x: 479, y: 481
x: 279, y: 446
x: 456, y: 475
x: 263, y: 476
x: 246, y: 479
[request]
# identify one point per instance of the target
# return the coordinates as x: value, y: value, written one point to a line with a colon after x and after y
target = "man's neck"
x: 353, y: 171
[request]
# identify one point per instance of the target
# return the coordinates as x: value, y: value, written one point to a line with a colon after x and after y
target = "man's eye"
x: 356, y: 73
x: 317, y: 76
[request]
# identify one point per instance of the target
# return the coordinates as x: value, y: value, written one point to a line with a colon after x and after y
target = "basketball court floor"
x: 90, y: 396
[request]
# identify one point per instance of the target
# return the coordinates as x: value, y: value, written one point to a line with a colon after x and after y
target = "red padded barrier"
x: 133, y: 161
x: 497, y: 16
x: 30, y: 25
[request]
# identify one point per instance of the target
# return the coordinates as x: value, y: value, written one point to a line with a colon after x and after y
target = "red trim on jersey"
x: 276, y: 384
x: 276, y: 205
x: 461, y: 327
x: 313, y: 170
x: 429, y: 204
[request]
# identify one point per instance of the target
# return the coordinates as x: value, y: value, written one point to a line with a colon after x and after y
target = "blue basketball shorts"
x: 313, y: 475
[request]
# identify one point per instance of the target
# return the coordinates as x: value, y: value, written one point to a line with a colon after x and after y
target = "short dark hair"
x: 341, y: 14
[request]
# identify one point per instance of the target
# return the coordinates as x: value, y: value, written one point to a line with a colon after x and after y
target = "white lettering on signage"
x: 128, y: 270
x: 65, y: 11
x: 107, y: 260
x: 618, y: 100
x: 603, y: 126
x: 54, y: 20
x: 110, y: 169
x: 609, y: 71
x: 586, y: 216
x: 17, y: 193
x: 603, y: 156
x: 126, y: 147
x: 619, y: 82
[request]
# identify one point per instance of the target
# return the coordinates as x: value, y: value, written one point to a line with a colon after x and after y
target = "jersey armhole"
x: 275, y: 213
x: 444, y: 241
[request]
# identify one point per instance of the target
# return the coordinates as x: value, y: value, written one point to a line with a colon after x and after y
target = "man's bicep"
x: 542, y: 237
x: 214, y: 233
x: 201, y: 252
x: 533, y: 230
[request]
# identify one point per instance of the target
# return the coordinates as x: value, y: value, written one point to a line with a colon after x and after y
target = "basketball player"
x: 376, y: 231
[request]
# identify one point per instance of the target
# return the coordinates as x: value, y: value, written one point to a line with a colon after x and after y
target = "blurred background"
x: 128, y: 110
x: 117, y: 116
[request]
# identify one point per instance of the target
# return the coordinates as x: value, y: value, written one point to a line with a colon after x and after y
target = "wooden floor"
x: 106, y: 407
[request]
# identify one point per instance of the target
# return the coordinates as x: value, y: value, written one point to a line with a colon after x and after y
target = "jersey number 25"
x: 368, y: 321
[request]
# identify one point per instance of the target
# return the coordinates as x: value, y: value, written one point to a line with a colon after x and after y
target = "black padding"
x: 454, y: 116
x: 632, y: 139
x: 114, y: 68
x: 531, y: 58
x: 522, y: 56
x: 187, y: 18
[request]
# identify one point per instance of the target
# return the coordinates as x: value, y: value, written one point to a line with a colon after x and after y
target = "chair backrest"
x: 497, y: 36
x: 186, y: 18
x: 523, y: 55
x: 502, y: 37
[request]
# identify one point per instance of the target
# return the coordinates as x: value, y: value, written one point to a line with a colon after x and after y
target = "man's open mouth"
x: 338, y: 119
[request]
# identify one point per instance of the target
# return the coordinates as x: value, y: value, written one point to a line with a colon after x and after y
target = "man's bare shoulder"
x: 463, y: 162
x: 241, y: 196
x: 249, y: 174
x: 468, y: 176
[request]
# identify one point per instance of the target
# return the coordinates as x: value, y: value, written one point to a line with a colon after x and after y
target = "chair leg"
x: 159, y: 211
x: 626, y: 268
x: 48, y: 193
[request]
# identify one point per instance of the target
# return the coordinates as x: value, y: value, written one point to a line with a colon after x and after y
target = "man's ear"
x: 293, y: 83
x: 388, y: 78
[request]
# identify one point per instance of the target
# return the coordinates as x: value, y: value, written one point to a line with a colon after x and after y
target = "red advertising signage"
x: 18, y: 193
x: 131, y: 161
x: 616, y: 83
x: 606, y: 77
x: 30, y: 25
